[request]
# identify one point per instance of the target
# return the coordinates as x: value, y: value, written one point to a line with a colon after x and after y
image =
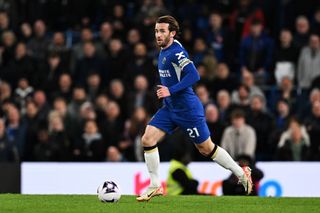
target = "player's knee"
x: 205, y: 149
x: 205, y: 152
x: 147, y: 140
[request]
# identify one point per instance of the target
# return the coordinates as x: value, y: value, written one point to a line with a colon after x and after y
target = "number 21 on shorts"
x: 193, y: 132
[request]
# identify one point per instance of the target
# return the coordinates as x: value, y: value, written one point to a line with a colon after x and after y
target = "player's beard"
x: 165, y: 42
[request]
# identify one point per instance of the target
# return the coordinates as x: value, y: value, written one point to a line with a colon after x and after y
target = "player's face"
x: 163, y: 36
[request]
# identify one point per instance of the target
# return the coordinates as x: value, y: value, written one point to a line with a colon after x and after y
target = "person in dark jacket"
x: 180, y: 180
x: 230, y: 185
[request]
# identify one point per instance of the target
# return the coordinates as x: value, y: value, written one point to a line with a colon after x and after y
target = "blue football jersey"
x: 171, y: 64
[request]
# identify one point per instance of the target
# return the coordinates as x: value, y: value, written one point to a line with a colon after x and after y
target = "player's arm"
x: 189, y: 77
x: 188, y: 74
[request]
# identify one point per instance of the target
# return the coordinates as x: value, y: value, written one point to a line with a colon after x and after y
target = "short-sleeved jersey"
x: 171, y: 63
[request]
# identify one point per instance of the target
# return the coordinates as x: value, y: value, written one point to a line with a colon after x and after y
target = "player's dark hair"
x: 173, y: 24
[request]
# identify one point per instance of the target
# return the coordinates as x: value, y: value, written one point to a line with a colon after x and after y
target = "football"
x: 109, y: 192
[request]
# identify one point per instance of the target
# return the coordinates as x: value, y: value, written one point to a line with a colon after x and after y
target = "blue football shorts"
x: 192, y: 122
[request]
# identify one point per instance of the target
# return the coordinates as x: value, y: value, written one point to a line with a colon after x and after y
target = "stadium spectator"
x: 301, y: 36
x: 242, y: 17
x: 90, y: 146
x: 285, y: 91
x: 58, y: 136
x: 203, y: 94
x: 118, y: 94
x: 94, y: 86
x: 224, y: 106
x: 16, y: 129
x: 249, y: 81
x: 239, y: 138
x: 147, y: 15
x: 8, y: 149
x: 4, y: 22
x: 141, y: 96
x: 205, y: 79
x: 215, y: 125
x: 180, y: 180
x: 25, y: 32
x: 202, y: 54
x: 33, y: 122
x: 58, y: 46
x: 77, y: 49
x: 119, y: 21
x: 312, y: 123
x: 140, y: 64
x: 114, y: 155
x: 241, y: 97
x: 133, y: 38
x: 23, y: 93
x: 309, y: 63
x: 294, y: 144
x: 38, y: 45
x: 118, y: 59
x: 89, y: 63
x: 8, y: 42
x: 282, y: 114
x: 285, y: 57
x: 315, y: 26
x: 20, y: 66
x: 224, y: 80
x: 306, y: 109
x: 105, y: 36
x: 134, y: 129
x: 100, y: 104
x: 48, y: 73
x: 40, y: 99
x: 44, y: 150
x: 112, y: 125
x: 70, y: 125
x: 220, y: 39
x: 64, y: 89
x: 187, y: 37
x: 256, y: 53
x: 78, y: 98
x: 263, y: 124
x: 5, y: 92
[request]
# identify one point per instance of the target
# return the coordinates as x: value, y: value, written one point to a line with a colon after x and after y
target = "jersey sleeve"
x: 180, y: 58
x: 186, y: 71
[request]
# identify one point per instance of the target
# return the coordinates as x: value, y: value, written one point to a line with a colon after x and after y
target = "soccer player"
x: 182, y: 108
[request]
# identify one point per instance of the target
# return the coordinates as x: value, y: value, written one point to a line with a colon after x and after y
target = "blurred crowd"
x: 78, y: 78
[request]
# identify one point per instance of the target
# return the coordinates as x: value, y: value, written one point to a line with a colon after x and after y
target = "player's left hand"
x: 163, y: 91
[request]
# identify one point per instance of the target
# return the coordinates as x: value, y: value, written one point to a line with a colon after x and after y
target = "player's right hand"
x: 163, y: 91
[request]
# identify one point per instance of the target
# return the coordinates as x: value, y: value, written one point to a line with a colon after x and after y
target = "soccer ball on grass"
x: 108, y: 192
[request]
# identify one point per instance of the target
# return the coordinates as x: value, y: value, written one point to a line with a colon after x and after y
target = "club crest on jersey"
x: 164, y: 60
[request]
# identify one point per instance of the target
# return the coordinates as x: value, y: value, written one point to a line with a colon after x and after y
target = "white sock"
x: 223, y: 158
x: 153, y: 160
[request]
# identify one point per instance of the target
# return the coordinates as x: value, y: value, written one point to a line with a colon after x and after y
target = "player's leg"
x: 222, y: 157
x: 196, y: 127
x: 155, y: 131
x: 149, y: 141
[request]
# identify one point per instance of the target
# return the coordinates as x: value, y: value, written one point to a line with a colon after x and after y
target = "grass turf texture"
x: 128, y: 204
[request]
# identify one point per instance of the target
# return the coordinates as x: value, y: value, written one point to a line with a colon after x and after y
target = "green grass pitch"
x: 128, y: 204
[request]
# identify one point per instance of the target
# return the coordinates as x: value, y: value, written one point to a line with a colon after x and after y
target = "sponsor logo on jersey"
x: 164, y: 73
